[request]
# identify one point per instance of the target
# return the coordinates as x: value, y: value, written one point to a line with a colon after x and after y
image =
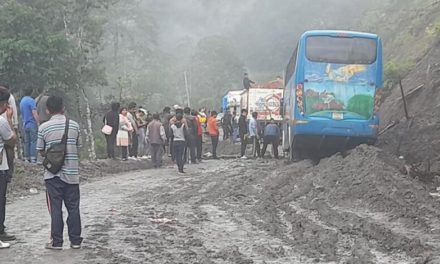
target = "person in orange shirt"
x: 213, y: 132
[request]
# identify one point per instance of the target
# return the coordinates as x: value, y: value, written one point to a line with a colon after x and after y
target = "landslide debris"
x: 357, y: 209
x: 417, y: 139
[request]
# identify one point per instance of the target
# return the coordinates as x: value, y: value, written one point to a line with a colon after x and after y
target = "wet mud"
x: 354, y: 209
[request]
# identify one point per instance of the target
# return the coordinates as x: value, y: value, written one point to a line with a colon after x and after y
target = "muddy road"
x: 253, y: 211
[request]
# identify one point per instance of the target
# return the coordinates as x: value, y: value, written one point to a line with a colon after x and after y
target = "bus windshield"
x: 341, y: 50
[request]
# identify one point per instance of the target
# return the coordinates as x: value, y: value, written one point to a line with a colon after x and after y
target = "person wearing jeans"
x: 179, y: 133
x: 30, y: 144
x: 213, y: 132
x: 28, y: 109
x: 272, y: 135
x: 63, y: 186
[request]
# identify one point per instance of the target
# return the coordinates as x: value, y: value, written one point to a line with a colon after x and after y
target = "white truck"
x: 265, y: 99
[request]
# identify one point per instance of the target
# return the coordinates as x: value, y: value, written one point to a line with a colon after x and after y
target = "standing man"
x: 166, y: 116
x: 272, y: 135
x: 157, y: 138
x: 213, y: 132
x: 192, y: 134
x: 247, y: 83
x: 243, y: 131
x: 142, y: 131
x: 10, y: 151
x: 64, y: 185
x: 42, y: 109
x: 7, y: 139
x: 133, y: 148
x: 179, y: 133
x: 29, y: 116
x: 227, y: 125
x: 199, y: 140
x: 254, y: 134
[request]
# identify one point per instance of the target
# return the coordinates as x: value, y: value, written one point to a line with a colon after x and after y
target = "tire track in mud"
x: 234, y: 211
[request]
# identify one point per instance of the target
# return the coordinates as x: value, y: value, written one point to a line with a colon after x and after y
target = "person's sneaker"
x: 75, y: 246
x: 243, y: 157
x: 6, y: 237
x: 181, y: 172
x: 51, y: 246
x: 4, y: 245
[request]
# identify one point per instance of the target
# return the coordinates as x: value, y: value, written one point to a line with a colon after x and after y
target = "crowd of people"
x: 179, y: 132
x: 56, y: 138
x: 52, y: 140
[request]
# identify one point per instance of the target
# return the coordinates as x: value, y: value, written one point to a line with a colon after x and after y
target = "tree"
x: 215, y: 69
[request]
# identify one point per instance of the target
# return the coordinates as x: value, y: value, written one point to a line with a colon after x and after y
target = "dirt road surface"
x: 231, y: 211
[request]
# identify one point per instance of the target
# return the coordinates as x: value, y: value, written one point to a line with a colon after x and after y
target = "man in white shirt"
x: 7, y: 140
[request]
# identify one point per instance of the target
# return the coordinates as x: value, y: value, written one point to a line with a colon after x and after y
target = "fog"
x: 216, y: 41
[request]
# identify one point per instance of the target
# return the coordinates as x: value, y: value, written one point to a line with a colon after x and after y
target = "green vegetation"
x: 96, y: 51
x: 361, y: 104
x: 395, y: 71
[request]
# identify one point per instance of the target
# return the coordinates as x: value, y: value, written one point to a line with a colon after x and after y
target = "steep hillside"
x: 417, y: 139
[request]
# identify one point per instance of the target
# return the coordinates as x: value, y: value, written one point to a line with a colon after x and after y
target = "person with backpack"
x: 58, y: 142
x: 179, y: 134
x: 8, y: 138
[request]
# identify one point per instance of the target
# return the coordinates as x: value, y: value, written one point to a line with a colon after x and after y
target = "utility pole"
x: 187, y: 89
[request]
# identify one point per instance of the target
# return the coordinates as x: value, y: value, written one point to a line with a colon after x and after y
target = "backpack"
x: 55, y: 154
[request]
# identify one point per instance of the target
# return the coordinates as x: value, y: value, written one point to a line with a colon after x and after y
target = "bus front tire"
x: 295, y: 153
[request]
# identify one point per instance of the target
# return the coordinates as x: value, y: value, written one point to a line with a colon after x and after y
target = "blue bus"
x: 332, y: 92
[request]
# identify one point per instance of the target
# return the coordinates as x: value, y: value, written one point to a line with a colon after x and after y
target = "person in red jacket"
x: 199, y: 140
x: 213, y: 132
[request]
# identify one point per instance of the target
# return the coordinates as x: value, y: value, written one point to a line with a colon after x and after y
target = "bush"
x: 394, y: 71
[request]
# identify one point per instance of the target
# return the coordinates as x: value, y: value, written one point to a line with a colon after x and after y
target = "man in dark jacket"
x: 247, y: 83
x: 192, y: 135
x: 243, y: 131
x: 112, y: 119
x: 227, y: 125
x: 272, y: 135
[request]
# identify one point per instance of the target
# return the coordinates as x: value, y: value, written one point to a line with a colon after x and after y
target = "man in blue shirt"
x: 29, y: 116
x: 272, y: 135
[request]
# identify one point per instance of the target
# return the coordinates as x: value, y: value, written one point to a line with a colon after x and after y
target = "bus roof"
x: 336, y: 33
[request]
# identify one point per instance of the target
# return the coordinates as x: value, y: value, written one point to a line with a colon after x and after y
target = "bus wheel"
x: 295, y: 152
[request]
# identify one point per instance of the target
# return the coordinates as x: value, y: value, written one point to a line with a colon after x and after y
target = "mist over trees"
x: 162, y: 52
